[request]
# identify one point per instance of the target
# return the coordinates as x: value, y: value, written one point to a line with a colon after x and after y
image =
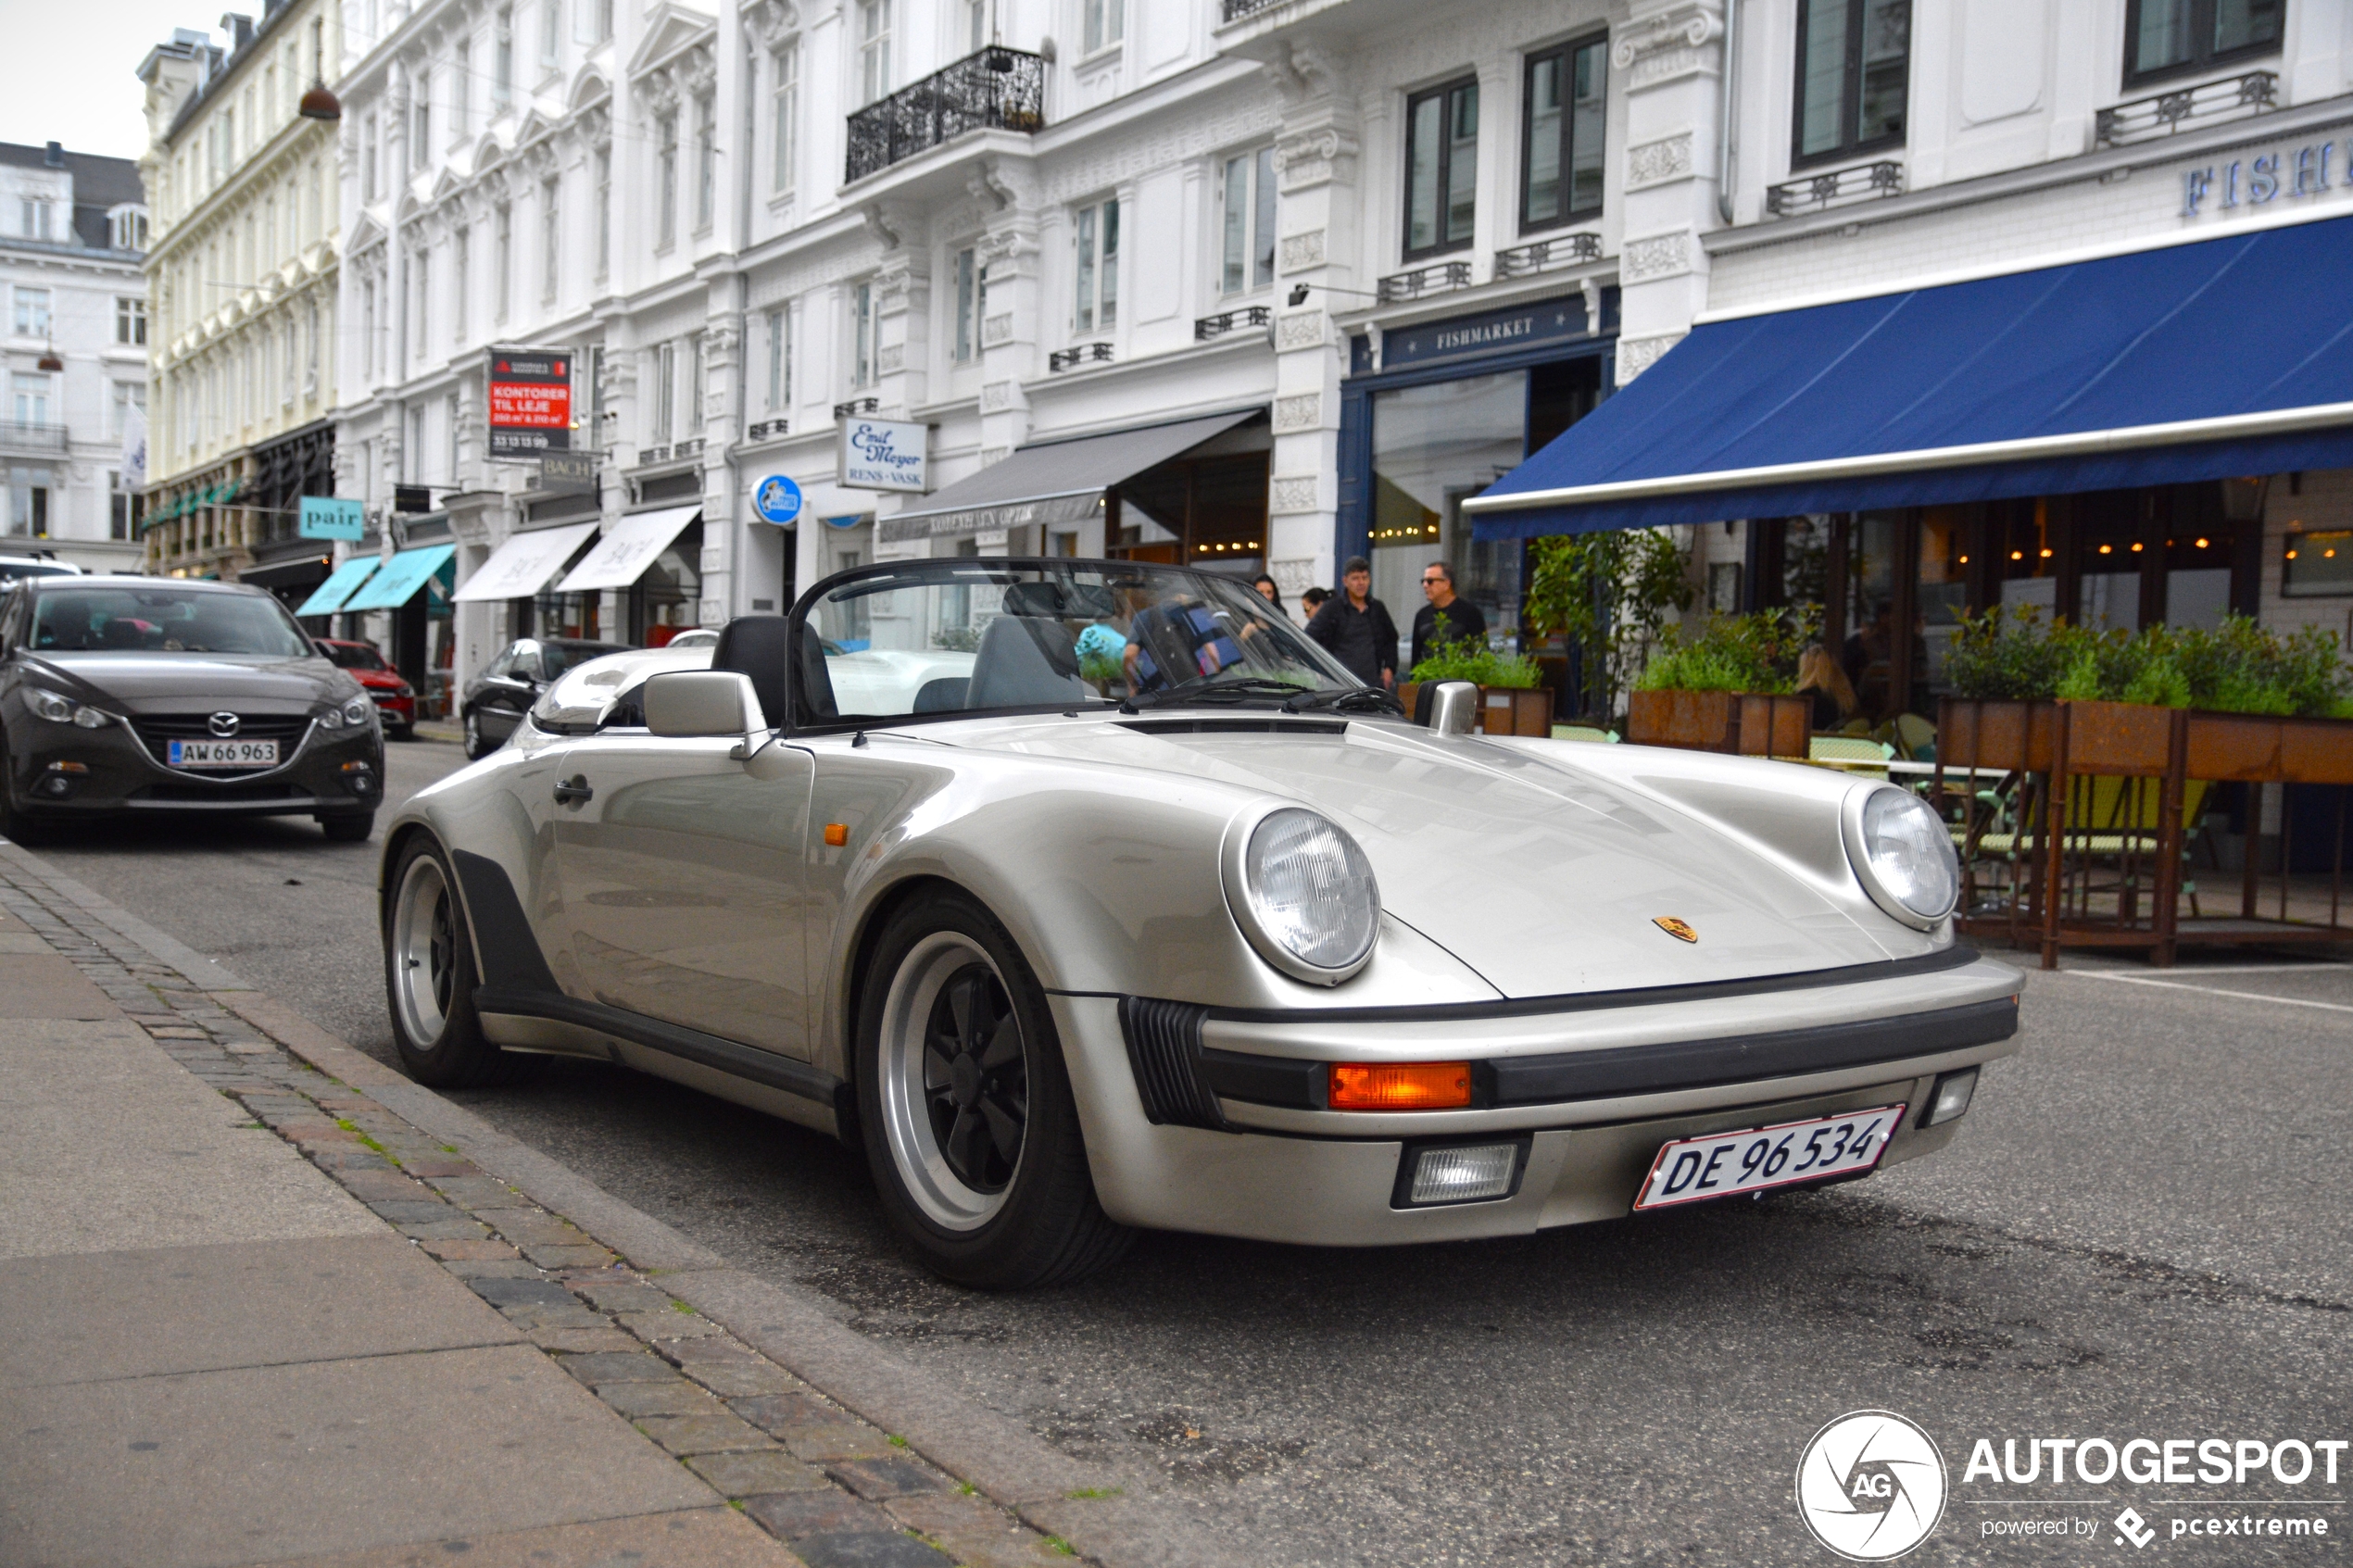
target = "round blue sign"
x: 777, y: 499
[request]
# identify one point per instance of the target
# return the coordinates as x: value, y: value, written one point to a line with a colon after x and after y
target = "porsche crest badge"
x: 1679, y: 929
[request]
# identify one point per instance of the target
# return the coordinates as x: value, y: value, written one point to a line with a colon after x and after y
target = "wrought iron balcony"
x: 997, y: 88
x: 1208, y: 327
x: 856, y: 405
x: 1080, y: 354
x: 1864, y: 181
x: 1438, y: 277
x: 1237, y: 10
x: 19, y: 436
x: 764, y: 430
x: 1561, y: 250
x: 2164, y: 113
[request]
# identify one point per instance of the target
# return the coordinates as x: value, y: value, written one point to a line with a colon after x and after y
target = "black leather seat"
x: 760, y: 647
x: 1026, y: 663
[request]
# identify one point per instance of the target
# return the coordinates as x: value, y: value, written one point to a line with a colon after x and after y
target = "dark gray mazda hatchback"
x: 141, y: 694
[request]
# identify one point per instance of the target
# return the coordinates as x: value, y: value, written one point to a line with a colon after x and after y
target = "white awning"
x: 1052, y: 482
x: 628, y: 547
x: 522, y: 566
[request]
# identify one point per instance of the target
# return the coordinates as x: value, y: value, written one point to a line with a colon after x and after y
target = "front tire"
x: 970, y: 1126
x: 429, y: 978
x: 350, y: 829
x: 477, y: 744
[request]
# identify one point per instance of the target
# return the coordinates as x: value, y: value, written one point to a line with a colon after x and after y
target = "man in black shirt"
x: 1448, y: 617
x: 1355, y: 627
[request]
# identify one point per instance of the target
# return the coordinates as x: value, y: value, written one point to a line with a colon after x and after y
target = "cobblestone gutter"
x: 839, y: 1490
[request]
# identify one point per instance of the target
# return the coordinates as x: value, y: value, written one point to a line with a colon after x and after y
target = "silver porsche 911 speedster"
x: 1087, y: 895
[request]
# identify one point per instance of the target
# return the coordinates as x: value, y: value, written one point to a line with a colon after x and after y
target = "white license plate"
x: 224, y: 754
x: 1692, y: 1170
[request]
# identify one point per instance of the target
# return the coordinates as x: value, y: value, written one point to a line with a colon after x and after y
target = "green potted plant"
x: 1731, y: 689
x: 1511, y: 697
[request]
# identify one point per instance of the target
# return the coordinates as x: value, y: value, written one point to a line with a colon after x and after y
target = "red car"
x: 395, y: 699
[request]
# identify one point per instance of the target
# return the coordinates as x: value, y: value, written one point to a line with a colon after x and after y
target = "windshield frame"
x: 1337, y: 677
x: 44, y: 590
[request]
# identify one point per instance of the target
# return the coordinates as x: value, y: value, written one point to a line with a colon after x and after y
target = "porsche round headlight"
x: 1304, y: 893
x: 1903, y: 854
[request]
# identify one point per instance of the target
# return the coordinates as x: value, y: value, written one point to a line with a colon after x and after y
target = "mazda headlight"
x: 1302, y: 892
x: 1903, y: 854
x: 64, y: 711
x: 359, y: 710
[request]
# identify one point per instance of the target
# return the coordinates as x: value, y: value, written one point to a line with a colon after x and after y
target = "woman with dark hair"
x: 1274, y: 595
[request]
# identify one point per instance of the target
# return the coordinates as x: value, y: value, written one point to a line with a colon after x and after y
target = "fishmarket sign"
x: 2294, y: 173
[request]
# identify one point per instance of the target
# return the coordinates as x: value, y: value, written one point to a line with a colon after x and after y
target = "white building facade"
x: 1386, y: 250
x: 72, y: 227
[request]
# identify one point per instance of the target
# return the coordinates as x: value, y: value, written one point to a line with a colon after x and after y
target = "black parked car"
x: 143, y: 694
x: 497, y: 699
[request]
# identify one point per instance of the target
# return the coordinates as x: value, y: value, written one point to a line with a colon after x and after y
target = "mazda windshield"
x: 934, y: 638
x: 155, y: 618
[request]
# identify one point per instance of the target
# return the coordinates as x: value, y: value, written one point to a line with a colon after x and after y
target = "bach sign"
x: 530, y: 401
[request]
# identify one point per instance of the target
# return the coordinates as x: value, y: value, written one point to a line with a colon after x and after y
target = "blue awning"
x: 401, y: 577
x: 341, y: 584
x: 2203, y: 360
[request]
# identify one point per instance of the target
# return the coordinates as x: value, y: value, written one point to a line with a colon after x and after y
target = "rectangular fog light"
x: 1464, y: 1173
x: 1951, y: 1098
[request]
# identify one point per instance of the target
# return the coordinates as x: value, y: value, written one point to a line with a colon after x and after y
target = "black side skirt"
x: 764, y: 1067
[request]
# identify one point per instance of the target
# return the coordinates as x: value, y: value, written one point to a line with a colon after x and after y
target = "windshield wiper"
x: 1353, y: 699
x: 1204, y: 689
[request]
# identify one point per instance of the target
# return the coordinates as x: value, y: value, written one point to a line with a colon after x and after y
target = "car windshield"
x: 150, y: 619
x: 962, y: 636
x: 12, y: 570
x: 352, y: 656
x: 557, y: 657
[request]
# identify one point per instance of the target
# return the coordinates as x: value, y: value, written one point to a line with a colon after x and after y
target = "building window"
x: 28, y: 502
x: 130, y: 320
x: 1853, y: 74
x: 596, y: 21
x: 698, y: 386
x: 33, y: 312
x: 603, y: 213
x: 706, y: 162
x: 1097, y: 307
x: 121, y: 508
x: 861, y: 332
x: 784, y: 105
x: 121, y: 399
x: 551, y: 36
x: 874, y: 49
x: 968, y: 306
x: 1248, y: 198
x: 423, y: 299
x: 1441, y: 167
x: 420, y: 150
x: 2166, y: 38
x: 461, y: 281
x: 551, y: 251
x: 367, y: 159
x: 129, y: 226
x: 665, y: 409
x: 666, y: 180
x: 1105, y: 24
x: 1561, y: 134
x: 976, y: 25
x: 462, y: 89
x: 779, y: 359
x: 503, y: 261
x: 28, y: 395
x: 502, y: 73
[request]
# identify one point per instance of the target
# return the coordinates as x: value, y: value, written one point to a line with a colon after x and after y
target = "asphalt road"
x: 2141, y: 1230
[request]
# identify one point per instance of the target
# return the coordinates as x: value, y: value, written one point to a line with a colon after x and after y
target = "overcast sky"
x: 73, y: 65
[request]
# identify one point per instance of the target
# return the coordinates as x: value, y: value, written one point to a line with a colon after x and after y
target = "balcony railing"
x: 1062, y: 359
x: 2165, y: 113
x: 1864, y: 181
x: 764, y: 430
x: 997, y: 89
x: 1237, y: 10
x: 1438, y: 277
x: 1208, y: 327
x: 855, y: 407
x: 16, y: 436
x: 1561, y: 250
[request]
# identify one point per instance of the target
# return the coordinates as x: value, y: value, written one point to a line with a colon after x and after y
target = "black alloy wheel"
x: 976, y: 1080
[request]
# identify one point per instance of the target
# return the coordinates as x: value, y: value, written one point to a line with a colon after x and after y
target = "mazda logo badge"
x: 223, y: 724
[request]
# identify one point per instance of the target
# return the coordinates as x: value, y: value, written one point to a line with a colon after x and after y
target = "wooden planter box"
x: 1741, y: 724
x: 1503, y: 710
x: 1996, y: 732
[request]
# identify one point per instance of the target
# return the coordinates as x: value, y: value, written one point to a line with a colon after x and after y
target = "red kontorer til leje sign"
x: 530, y: 402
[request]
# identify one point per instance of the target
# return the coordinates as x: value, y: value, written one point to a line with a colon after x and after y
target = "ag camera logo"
x: 1870, y: 1486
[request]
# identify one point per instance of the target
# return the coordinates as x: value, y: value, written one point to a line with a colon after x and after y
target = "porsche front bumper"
x: 1200, y: 1121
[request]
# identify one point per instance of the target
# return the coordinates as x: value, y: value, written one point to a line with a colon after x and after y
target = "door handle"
x: 573, y: 790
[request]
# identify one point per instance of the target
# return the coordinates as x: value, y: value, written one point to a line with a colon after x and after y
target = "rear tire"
x: 967, y: 1109
x: 477, y: 744
x: 428, y: 980
x: 351, y: 829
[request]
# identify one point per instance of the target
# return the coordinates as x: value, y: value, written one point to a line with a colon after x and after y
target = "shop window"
x: 1096, y: 237
x: 1205, y: 511
x: 2316, y: 564
x: 1560, y: 134
x: 1854, y: 76
x: 2166, y: 38
x: 1441, y: 167
x: 1434, y: 447
x: 1247, y: 221
x: 667, y: 600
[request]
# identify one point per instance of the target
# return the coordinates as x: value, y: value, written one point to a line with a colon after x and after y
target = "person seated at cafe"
x: 1834, y: 701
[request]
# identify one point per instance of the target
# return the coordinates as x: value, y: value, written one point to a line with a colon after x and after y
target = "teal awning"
x: 405, y: 573
x: 344, y: 581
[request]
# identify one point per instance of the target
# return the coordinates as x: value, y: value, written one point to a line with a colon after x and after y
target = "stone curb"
x: 198, y: 971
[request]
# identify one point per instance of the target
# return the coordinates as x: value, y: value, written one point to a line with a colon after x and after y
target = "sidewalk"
x: 251, y: 1313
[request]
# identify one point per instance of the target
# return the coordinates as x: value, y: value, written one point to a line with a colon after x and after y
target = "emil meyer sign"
x: 884, y: 454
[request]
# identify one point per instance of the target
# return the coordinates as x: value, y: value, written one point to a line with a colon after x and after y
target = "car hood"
x: 171, y: 683
x: 1543, y: 880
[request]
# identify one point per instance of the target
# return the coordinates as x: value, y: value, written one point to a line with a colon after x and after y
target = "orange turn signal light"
x: 837, y: 833
x: 1400, y: 1086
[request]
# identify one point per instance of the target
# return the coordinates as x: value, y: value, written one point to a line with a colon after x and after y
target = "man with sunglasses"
x: 1447, y: 618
